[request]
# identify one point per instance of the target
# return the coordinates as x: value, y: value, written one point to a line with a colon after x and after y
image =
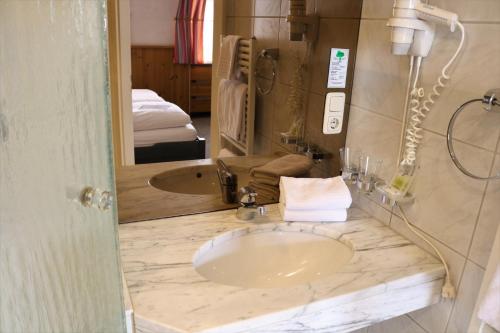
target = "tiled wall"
x: 266, y: 20
x: 460, y: 214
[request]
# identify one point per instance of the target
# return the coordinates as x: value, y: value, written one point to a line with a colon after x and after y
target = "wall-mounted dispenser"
x: 302, y: 25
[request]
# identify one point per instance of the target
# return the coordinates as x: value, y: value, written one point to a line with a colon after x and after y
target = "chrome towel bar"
x: 491, y: 103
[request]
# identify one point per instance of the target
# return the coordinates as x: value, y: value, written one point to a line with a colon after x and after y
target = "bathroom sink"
x: 270, y: 256
x: 195, y: 180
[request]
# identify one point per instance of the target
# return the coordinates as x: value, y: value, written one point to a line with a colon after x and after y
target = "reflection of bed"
x: 162, y: 131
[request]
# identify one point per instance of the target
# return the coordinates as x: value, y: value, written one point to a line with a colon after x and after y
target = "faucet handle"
x: 247, y: 196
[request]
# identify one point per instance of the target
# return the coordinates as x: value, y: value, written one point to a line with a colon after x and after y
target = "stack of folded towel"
x: 266, y: 178
x: 314, y: 199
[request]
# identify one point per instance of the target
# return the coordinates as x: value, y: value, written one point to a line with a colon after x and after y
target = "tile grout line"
x: 427, y: 130
x: 417, y: 323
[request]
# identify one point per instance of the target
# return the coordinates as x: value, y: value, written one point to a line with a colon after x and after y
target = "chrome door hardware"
x: 96, y: 198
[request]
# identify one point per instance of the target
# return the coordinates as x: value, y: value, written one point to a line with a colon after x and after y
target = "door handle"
x: 96, y: 198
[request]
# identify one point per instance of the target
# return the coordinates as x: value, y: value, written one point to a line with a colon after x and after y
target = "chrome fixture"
x: 249, y: 209
x: 302, y: 25
x: 228, y: 182
x: 314, y: 153
x: 96, y: 198
x: 491, y: 103
x: 288, y: 139
x: 310, y: 150
x: 271, y: 56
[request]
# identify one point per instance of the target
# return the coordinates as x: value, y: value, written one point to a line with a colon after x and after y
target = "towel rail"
x: 246, y: 62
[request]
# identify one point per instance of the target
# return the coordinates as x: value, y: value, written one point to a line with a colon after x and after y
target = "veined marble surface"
x: 387, y: 276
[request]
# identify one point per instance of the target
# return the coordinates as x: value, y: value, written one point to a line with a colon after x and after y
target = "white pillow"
x: 156, y: 115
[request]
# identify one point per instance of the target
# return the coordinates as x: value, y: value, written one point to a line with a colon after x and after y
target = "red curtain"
x: 189, y: 32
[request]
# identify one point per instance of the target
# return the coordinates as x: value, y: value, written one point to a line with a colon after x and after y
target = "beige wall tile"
x: 489, y: 220
x: 288, y: 52
x: 229, y: 26
x: 263, y: 145
x: 339, y: 8
x: 380, y: 78
x: 279, y: 149
x: 243, y: 8
x: 243, y: 26
x: 229, y: 7
x: 368, y: 204
x: 466, y: 298
x: 477, y: 70
x: 266, y: 30
x: 375, y: 135
x: 447, y: 202
x: 401, y: 324
x: 267, y: 8
x: 471, y: 10
x: 433, y: 318
x: 285, y: 7
x: 264, y: 110
x: 282, y: 116
x: 380, y: 9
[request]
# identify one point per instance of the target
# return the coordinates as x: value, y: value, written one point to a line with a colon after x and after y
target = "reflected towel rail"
x: 246, y: 64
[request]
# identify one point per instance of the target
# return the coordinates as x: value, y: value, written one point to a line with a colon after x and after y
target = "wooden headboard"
x: 188, y: 86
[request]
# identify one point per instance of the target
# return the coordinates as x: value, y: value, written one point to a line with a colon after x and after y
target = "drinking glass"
x: 349, y: 160
x: 369, y: 167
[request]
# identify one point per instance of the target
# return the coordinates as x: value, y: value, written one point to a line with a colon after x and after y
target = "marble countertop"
x: 387, y: 277
x: 138, y: 201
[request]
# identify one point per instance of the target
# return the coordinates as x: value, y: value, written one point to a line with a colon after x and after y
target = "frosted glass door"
x: 59, y: 260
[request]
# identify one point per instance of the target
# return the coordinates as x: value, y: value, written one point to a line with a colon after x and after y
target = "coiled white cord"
x: 419, y: 111
x: 413, y: 136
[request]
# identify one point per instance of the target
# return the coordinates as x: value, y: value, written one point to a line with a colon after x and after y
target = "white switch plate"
x: 334, y: 113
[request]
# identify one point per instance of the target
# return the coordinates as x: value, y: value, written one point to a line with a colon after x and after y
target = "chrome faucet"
x: 249, y: 209
x: 228, y: 182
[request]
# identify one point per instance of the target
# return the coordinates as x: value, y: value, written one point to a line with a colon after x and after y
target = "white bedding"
x: 156, y: 115
x: 144, y: 95
x: 176, y: 134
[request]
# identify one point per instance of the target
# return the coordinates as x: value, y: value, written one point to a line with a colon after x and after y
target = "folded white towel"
x: 227, y: 68
x: 156, y: 115
x: 332, y: 215
x: 231, y: 108
x: 489, y: 311
x: 314, y: 193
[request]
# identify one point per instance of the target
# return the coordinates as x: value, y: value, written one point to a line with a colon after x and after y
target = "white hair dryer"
x: 413, y: 26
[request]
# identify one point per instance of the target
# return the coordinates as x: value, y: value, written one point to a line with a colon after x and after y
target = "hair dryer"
x: 413, y: 26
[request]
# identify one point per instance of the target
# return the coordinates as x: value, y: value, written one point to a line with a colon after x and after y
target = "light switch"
x: 334, y: 113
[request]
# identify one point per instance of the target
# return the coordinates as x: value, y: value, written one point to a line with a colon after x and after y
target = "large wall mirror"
x: 291, y: 58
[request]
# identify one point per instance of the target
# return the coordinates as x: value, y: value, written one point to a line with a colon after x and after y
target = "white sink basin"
x: 273, y: 255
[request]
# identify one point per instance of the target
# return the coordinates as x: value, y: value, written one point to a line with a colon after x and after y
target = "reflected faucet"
x: 228, y: 182
x: 249, y: 209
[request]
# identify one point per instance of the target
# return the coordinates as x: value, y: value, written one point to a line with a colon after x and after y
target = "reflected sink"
x: 195, y: 180
x: 270, y: 256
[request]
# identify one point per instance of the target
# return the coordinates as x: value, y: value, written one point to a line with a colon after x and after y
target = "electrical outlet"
x: 334, y: 113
